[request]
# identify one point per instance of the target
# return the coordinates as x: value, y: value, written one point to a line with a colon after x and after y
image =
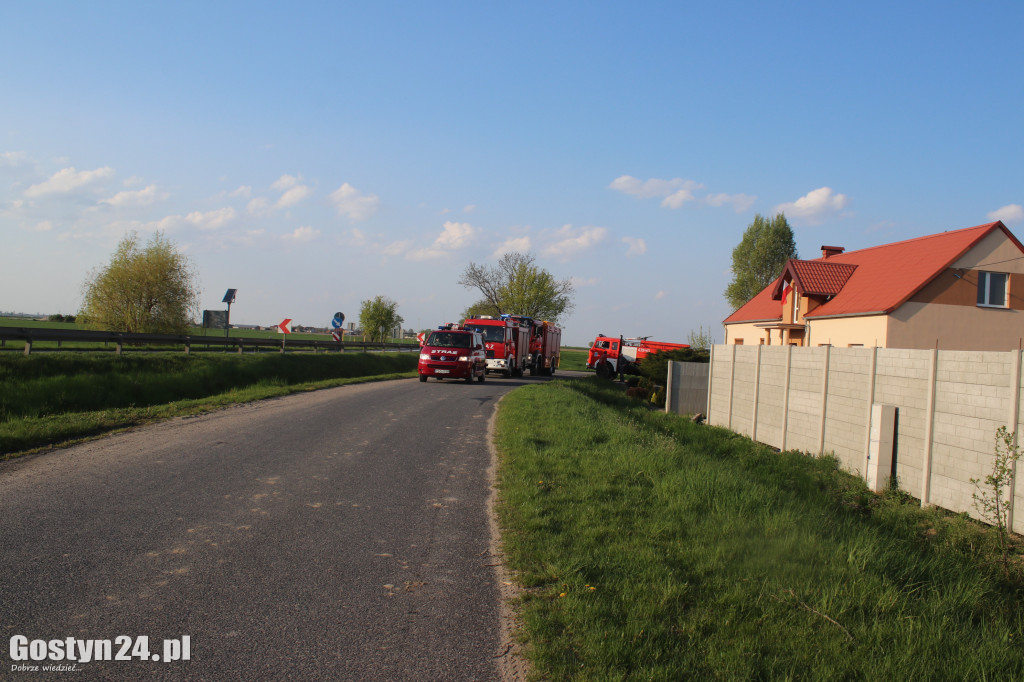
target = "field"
x: 58, y: 397
x: 653, y: 548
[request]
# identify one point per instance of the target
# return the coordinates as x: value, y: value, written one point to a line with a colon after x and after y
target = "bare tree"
x: 517, y: 285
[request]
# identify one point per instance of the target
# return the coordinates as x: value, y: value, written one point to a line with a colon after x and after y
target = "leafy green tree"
x: 700, y: 340
x: 148, y: 289
x: 759, y: 257
x: 519, y: 286
x: 379, y: 317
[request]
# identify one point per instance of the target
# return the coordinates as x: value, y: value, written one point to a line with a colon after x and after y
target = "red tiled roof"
x: 883, y: 279
x: 815, y: 277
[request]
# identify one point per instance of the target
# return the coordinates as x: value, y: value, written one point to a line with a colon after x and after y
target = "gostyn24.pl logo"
x: 72, y: 651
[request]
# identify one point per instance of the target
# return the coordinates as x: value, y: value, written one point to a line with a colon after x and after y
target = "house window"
x: 992, y: 288
x: 738, y: 342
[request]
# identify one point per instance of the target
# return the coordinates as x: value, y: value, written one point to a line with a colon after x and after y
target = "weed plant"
x: 52, y: 397
x: 654, y: 548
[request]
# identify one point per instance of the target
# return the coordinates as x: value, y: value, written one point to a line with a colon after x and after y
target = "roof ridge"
x: 908, y: 241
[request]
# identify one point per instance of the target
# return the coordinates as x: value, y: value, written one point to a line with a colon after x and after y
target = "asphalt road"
x: 341, y: 534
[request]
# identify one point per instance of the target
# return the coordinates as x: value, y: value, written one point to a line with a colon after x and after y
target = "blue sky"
x: 315, y: 155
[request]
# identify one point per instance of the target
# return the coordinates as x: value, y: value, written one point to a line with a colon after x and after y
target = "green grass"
x: 53, y: 398
x: 654, y: 548
x: 573, y: 359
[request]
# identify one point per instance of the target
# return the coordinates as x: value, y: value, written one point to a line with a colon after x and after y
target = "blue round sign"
x: 339, y: 319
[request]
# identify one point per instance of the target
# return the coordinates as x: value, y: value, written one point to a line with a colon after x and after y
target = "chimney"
x: 829, y: 251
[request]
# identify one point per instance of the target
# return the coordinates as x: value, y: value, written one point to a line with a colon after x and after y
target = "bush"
x: 655, y: 366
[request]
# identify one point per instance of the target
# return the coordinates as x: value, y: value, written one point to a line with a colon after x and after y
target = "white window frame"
x: 985, y: 289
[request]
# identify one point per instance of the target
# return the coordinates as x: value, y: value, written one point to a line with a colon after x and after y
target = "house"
x: 956, y: 290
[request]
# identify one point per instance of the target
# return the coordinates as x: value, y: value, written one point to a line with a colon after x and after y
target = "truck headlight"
x: 463, y: 358
x: 424, y: 356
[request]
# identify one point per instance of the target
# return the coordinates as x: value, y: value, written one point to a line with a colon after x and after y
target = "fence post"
x: 28, y: 346
x: 669, y: 388
x: 711, y: 377
x: 732, y: 382
x: 1015, y: 374
x: 785, y: 396
x: 929, y: 433
x: 757, y: 393
x: 824, y: 400
x: 871, y: 401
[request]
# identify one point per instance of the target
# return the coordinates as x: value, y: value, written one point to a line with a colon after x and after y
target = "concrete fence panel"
x: 948, y: 407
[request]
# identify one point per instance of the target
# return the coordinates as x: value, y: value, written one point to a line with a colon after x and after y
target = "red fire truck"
x: 545, y: 345
x: 453, y: 352
x: 507, y: 343
x: 610, y: 355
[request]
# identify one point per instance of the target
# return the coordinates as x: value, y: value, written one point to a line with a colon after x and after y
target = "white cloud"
x: 740, y: 202
x: 578, y: 282
x: 285, y: 182
x: 211, y: 220
x: 352, y: 203
x: 649, y: 189
x: 68, y: 180
x: 243, y: 191
x: 677, y: 198
x: 258, y: 206
x: 469, y: 208
x: 13, y: 159
x: 293, y: 196
x: 637, y: 246
x: 44, y: 226
x: 571, y: 241
x: 814, y: 206
x: 660, y: 295
x: 513, y: 244
x: 1011, y: 213
x: 302, y: 234
x: 455, y: 235
x: 139, y: 197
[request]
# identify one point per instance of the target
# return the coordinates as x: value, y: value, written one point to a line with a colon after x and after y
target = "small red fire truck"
x: 610, y: 355
x: 507, y: 343
x: 545, y: 345
x: 453, y: 352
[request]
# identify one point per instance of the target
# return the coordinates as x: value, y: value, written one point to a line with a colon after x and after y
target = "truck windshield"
x: 448, y: 340
x: 492, y: 333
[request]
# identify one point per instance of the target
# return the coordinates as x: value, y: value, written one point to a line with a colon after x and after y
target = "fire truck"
x: 545, y: 345
x: 453, y: 352
x: 507, y: 343
x: 610, y: 355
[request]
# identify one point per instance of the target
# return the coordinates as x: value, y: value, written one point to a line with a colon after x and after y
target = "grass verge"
x: 654, y: 548
x: 56, y: 398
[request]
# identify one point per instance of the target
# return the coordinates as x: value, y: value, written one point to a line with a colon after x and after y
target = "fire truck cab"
x: 506, y: 341
x: 453, y: 352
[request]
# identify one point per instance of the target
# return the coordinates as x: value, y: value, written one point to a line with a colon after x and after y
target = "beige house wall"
x: 866, y: 330
x: 995, y: 252
x: 955, y: 327
x: 750, y: 334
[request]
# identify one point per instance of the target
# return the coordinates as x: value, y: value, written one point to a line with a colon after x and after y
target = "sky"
x: 315, y: 155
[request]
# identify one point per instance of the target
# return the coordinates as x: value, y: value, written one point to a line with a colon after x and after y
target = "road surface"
x: 340, y: 534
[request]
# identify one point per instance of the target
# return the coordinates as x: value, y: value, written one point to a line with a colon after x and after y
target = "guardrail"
x: 31, y: 336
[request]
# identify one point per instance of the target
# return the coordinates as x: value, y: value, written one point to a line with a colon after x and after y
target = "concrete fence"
x: 687, y: 389
x: 927, y: 417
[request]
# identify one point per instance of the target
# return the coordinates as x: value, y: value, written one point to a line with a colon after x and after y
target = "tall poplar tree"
x: 759, y: 257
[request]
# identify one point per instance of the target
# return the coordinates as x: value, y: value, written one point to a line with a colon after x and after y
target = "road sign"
x: 339, y: 319
x: 421, y: 337
x: 286, y: 326
x: 336, y: 335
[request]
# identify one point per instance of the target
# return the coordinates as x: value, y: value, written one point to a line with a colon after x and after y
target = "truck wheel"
x: 469, y: 378
x: 604, y: 370
x: 423, y: 377
x: 481, y: 377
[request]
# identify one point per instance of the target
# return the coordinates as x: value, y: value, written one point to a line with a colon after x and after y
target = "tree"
x: 517, y: 285
x: 759, y: 257
x: 700, y: 340
x: 378, y: 317
x: 149, y: 289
